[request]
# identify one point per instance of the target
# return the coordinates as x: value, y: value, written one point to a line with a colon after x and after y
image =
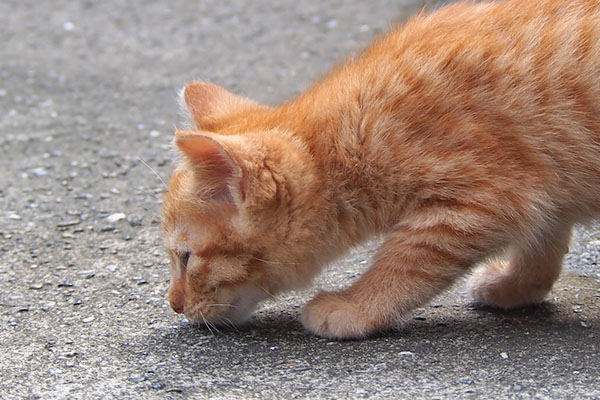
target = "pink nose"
x: 177, y: 308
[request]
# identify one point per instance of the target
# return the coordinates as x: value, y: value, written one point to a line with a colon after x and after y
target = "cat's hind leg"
x: 525, y: 276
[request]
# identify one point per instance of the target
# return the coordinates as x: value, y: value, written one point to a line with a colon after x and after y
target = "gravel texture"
x: 87, y: 111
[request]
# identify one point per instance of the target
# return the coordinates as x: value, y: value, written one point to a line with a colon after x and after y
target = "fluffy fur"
x: 469, y: 137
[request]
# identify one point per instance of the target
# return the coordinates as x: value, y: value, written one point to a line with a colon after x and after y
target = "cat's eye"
x: 184, y: 258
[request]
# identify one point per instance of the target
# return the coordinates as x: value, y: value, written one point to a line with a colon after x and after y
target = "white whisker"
x: 229, y: 323
x: 155, y: 173
x: 272, y: 262
x: 222, y: 305
x: 267, y: 292
x: 206, y: 324
x: 214, y: 326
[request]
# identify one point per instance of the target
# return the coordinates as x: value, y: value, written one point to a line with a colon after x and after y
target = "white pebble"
x: 115, y: 217
x: 111, y: 267
x: 39, y: 171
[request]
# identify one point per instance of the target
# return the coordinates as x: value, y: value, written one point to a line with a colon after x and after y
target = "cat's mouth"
x: 236, y: 311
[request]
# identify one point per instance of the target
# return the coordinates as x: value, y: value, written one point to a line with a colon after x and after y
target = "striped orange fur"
x: 467, y: 138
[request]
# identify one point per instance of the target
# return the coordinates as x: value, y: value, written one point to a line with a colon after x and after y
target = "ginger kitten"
x: 467, y: 138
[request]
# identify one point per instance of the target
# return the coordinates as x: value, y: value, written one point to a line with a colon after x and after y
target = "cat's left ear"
x: 217, y: 173
x: 204, y: 101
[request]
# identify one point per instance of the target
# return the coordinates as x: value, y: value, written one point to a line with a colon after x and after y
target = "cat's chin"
x: 243, y: 305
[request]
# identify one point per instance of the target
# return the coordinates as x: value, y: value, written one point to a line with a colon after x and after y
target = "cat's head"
x: 233, y: 217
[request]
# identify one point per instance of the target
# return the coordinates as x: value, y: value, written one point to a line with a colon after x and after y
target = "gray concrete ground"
x: 87, y: 90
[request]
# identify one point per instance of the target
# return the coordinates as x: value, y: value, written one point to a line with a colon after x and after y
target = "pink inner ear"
x: 208, y: 157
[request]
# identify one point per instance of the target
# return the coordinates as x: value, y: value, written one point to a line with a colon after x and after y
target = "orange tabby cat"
x: 470, y: 137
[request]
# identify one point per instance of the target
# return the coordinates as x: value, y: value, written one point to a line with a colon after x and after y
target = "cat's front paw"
x: 335, y: 316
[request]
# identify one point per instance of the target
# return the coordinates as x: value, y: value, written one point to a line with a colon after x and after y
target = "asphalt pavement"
x: 87, y: 112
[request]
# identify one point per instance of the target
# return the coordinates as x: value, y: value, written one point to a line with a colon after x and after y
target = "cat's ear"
x: 203, y: 101
x: 217, y: 173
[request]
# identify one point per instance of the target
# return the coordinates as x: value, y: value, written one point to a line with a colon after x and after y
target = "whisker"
x: 272, y: 262
x: 267, y: 292
x: 157, y: 197
x: 155, y: 173
x: 206, y: 324
x: 230, y: 324
x: 222, y: 305
x: 214, y: 326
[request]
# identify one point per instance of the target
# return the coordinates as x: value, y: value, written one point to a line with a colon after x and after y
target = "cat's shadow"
x: 277, y: 337
x: 469, y: 321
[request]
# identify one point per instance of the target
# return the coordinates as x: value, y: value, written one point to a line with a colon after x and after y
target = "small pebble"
x: 517, y: 388
x: 584, y: 324
x: 39, y: 171
x: 67, y: 223
x: 115, y: 217
x: 111, y: 267
x: 301, y: 368
x: 331, y: 24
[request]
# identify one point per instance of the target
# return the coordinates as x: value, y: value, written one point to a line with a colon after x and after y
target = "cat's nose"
x: 178, y: 308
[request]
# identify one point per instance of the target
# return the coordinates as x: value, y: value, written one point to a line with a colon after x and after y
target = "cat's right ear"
x: 204, y: 101
x: 215, y: 170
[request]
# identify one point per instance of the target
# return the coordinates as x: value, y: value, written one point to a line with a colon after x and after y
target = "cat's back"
x: 516, y: 79
x: 505, y: 64
x: 517, y: 36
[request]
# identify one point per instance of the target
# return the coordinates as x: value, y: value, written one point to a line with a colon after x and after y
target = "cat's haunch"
x: 467, y: 138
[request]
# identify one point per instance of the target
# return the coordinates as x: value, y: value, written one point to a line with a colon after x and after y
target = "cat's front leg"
x: 411, y: 267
